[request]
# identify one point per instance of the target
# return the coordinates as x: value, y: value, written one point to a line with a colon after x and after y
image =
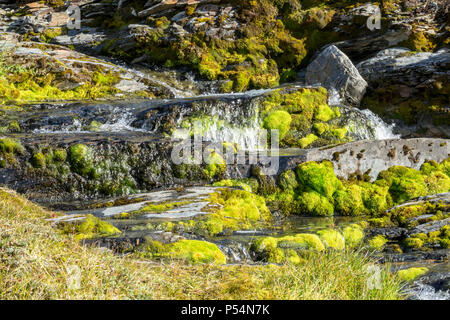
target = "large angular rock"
x: 333, y: 69
x: 401, y: 65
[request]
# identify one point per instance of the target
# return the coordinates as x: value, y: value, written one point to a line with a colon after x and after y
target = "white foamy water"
x: 366, y: 125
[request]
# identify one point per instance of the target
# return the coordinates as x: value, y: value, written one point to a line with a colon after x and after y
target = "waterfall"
x: 366, y: 125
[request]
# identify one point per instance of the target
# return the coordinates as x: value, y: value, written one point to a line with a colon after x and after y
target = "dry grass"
x: 35, y: 263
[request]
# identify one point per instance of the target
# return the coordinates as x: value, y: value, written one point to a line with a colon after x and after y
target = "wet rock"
x: 401, y: 65
x: 389, y: 233
x: 430, y: 226
x: 372, y: 157
x: 333, y: 69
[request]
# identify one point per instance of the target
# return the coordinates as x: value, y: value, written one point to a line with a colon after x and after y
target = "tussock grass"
x: 37, y: 261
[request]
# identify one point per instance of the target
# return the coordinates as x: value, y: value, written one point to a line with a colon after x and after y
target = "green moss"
x: 38, y: 160
x: 91, y: 227
x: 216, y: 165
x: 415, y: 243
x: 339, y: 133
x: 412, y: 273
x: 161, y: 207
x: 353, y: 235
x: 287, y: 180
x: 418, y: 41
x: 287, y: 248
x: 278, y: 120
x: 13, y: 146
x: 319, y: 177
x: 81, y: 159
x: 51, y: 33
x: 377, y: 242
x: 231, y: 210
x: 189, y: 251
x: 349, y: 202
x: 332, y: 239
x: 247, y: 184
x: 60, y: 155
x: 376, y: 198
x: 324, y: 113
x: 284, y: 202
x: 315, y: 204
x: 306, y: 141
x: 321, y: 127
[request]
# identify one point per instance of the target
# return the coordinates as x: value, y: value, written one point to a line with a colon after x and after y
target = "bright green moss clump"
x: 415, y: 243
x: 315, y: 204
x: 216, y: 165
x: 412, y: 273
x: 247, y: 184
x: 230, y: 210
x: 91, y: 227
x: 319, y: 177
x: 332, y: 239
x: 306, y: 141
x: 189, y: 251
x: 277, y: 250
x: 377, y: 242
x: 353, y: 234
x: 240, y: 210
x: 278, y: 120
x: 9, y: 148
x: 81, y: 158
x: 38, y: 160
x: 315, y: 190
x: 303, y: 117
x: 8, y: 145
x: 349, y: 202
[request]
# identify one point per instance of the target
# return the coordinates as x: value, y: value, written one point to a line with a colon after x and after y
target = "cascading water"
x: 365, y: 125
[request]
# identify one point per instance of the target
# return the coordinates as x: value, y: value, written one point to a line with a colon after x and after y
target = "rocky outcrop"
x: 67, y: 71
x: 405, y: 67
x: 411, y: 87
x: 372, y: 157
x: 334, y: 70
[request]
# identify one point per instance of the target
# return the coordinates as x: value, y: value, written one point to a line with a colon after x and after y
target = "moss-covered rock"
x: 353, y: 235
x: 189, y: 251
x: 313, y: 203
x: 230, y: 210
x: 377, y: 242
x: 91, y: 227
x: 287, y: 248
x: 319, y: 177
x: 332, y: 239
x: 411, y: 274
x: 278, y: 120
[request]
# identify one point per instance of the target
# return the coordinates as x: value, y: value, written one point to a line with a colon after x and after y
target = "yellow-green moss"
x: 319, y: 177
x: 91, y: 227
x: 288, y: 180
x: 415, y: 243
x: 189, y: 251
x: 277, y: 250
x: 216, y: 165
x: 377, y: 242
x: 332, y: 239
x: 411, y: 274
x: 81, y: 158
x: 278, y: 120
x: 8, y: 145
x: 247, y: 184
x: 313, y: 203
x: 38, y: 160
x: 306, y: 141
x: 353, y: 234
